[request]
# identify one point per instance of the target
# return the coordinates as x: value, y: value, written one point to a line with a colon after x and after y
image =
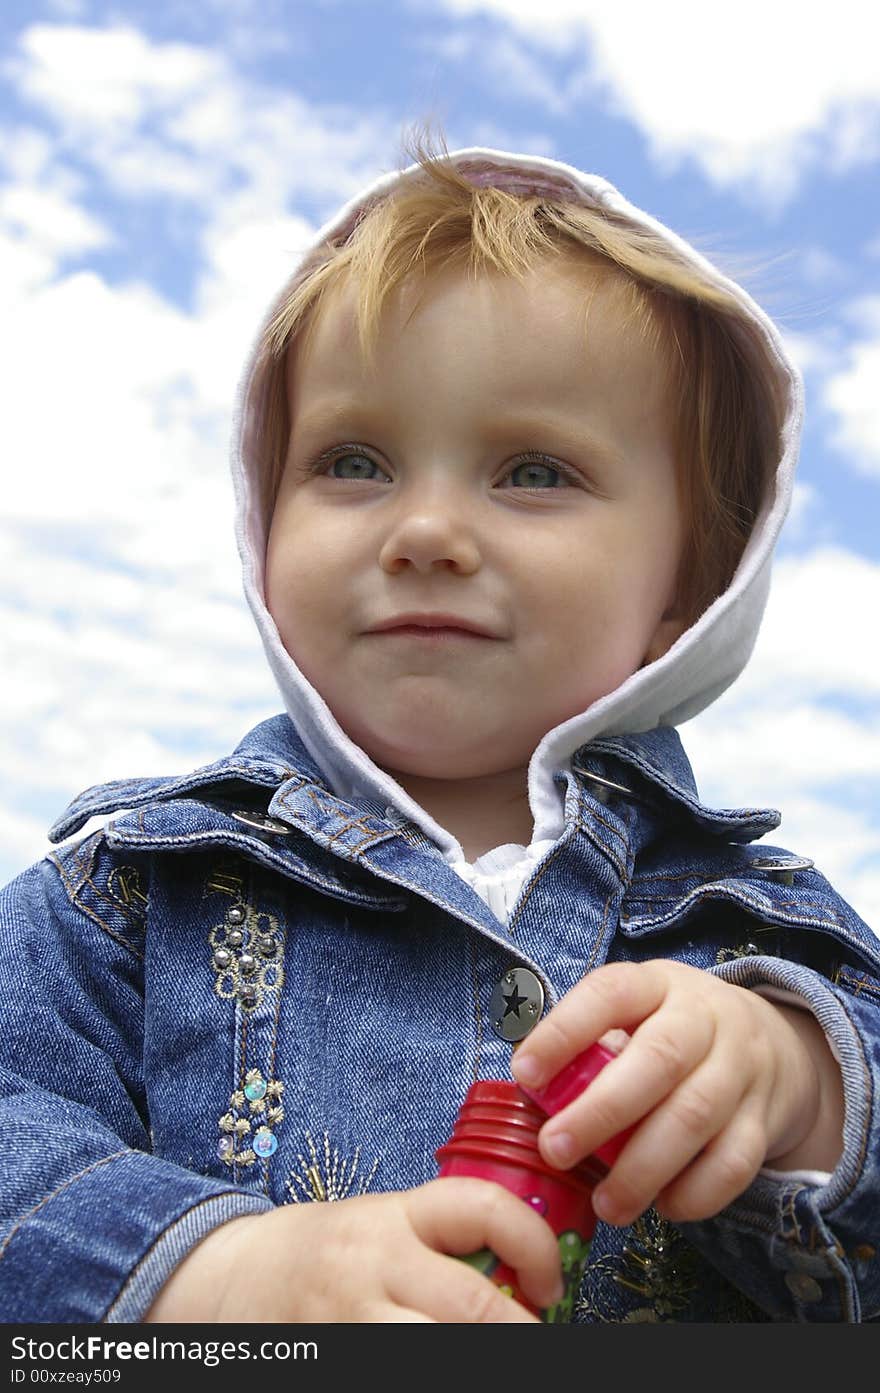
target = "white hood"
x: 699, y: 666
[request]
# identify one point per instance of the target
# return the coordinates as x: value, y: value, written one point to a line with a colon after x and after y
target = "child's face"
x: 429, y: 507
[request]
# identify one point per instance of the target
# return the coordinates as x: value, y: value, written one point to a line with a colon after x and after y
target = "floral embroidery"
x: 125, y: 886
x: 750, y: 949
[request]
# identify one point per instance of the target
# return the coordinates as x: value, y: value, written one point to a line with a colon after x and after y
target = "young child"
x: 511, y: 461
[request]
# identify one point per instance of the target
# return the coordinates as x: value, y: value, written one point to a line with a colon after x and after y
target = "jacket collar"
x: 655, y: 770
x: 272, y: 772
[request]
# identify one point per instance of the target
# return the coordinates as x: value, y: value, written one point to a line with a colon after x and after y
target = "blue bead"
x: 255, y: 1090
x: 265, y: 1142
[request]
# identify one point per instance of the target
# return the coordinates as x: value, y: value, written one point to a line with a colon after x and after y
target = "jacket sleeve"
x: 806, y: 1246
x: 91, y: 1223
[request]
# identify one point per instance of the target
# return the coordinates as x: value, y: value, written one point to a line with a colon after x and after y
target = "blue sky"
x: 159, y: 167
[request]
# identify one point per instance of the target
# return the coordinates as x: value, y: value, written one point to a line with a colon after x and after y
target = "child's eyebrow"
x: 329, y: 413
x: 562, y: 432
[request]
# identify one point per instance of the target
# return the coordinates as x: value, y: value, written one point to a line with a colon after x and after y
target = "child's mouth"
x: 431, y: 635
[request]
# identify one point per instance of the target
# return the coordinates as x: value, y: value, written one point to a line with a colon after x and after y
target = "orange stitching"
x: 856, y: 983
x: 63, y: 1186
x: 530, y: 889
x: 741, y: 898
x: 112, y: 901
x: 601, y: 936
x: 478, y: 1015
x: 346, y: 827
x: 605, y: 849
x: 278, y: 862
x: 597, y: 816
x: 90, y: 913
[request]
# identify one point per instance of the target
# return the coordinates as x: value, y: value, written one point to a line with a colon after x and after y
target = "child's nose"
x: 432, y: 532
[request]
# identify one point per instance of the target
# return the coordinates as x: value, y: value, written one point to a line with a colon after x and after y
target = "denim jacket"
x: 243, y: 991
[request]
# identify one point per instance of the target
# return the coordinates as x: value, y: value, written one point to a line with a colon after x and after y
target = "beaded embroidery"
x: 335, y: 1181
x: 746, y: 950
x: 254, y: 1113
x: 247, y: 949
x: 656, y: 1264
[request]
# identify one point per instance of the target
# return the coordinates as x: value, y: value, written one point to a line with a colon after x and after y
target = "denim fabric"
x: 202, y: 1017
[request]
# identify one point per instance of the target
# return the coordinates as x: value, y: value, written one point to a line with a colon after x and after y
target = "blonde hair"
x: 725, y: 405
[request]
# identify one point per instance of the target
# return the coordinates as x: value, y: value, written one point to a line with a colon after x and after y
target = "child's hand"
x: 369, y: 1258
x: 724, y: 1080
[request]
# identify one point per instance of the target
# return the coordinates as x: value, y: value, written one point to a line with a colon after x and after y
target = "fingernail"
x: 603, y: 1207
x: 527, y: 1071
x: 559, y: 1148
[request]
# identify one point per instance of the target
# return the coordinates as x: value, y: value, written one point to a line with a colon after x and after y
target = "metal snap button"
x: 262, y: 822
x: 783, y: 867
x: 604, y: 789
x: 802, y: 1286
x: 516, y: 1004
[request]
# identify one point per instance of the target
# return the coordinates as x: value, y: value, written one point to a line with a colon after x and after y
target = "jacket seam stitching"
x: 130, y: 1276
x: 596, y: 816
x: 63, y: 1186
x: 602, y: 846
x: 90, y: 913
x: 600, y: 939
x: 858, y: 984
x: 105, y: 805
x: 657, y: 915
x: 478, y: 1015
x: 243, y: 844
x: 511, y: 923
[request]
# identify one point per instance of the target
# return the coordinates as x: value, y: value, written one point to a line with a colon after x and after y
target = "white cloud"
x: 128, y: 646
x: 50, y: 220
x: 854, y: 392
x: 780, y: 737
x: 755, y: 97
x: 821, y: 268
x: 178, y: 120
x: 819, y: 352
x: 813, y: 640
x: 803, y: 512
x: 109, y: 78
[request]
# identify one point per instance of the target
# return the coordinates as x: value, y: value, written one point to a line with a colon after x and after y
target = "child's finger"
x: 667, y: 1142
x: 726, y: 1168
x: 460, y: 1215
x: 616, y: 995
x: 665, y: 1049
x: 454, y: 1293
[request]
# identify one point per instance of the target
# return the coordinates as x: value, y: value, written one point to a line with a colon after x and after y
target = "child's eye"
x: 535, y: 468
x: 356, y: 464
x: 537, y: 471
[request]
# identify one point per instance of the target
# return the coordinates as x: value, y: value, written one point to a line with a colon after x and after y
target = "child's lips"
x: 432, y: 635
x: 431, y: 626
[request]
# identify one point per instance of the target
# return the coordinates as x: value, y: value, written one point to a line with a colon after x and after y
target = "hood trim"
x: 703, y: 662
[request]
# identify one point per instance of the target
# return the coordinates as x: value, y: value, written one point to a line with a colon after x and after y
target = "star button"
x: 513, y: 1002
x: 516, y: 1004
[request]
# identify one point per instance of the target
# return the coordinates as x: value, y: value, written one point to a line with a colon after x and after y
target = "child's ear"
x: 670, y: 628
